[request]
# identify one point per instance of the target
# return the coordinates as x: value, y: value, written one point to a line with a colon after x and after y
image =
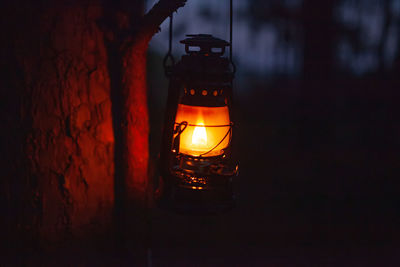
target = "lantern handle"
x: 169, y: 56
x: 179, y: 129
x: 230, y: 29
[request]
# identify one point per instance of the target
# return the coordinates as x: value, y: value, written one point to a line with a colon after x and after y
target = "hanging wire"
x: 230, y: 34
x: 169, y: 56
x: 230, y: 29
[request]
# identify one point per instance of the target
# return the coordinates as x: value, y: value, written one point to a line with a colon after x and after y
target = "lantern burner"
x: 206, y: 173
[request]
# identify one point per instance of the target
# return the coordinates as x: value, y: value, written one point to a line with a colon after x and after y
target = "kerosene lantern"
x: 197, y: 167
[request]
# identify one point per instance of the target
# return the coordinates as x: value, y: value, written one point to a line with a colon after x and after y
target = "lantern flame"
x: 199, y: 137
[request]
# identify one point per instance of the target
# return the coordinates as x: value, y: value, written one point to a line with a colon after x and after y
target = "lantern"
x: 197, y: 167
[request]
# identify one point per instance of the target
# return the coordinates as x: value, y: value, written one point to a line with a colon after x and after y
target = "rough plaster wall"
x: 69, y: 186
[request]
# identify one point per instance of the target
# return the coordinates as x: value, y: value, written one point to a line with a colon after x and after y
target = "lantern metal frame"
x: 202, y: 183
x: 202, y: 78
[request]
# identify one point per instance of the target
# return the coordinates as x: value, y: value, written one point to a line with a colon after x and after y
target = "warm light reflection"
x: 199, y: 138
x: 197, y: 187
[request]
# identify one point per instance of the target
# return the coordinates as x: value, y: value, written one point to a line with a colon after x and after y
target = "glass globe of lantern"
x: 207, y: 131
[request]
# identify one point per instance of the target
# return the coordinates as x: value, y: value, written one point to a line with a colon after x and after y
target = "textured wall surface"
x: 60, y: 179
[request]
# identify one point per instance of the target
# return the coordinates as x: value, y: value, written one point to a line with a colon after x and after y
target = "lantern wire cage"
x: 179, y: 131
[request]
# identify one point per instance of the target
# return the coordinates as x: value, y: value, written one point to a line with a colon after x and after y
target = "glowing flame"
x: 199, y: 137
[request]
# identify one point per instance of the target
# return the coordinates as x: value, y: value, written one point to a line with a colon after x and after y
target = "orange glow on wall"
x: 207, y: 127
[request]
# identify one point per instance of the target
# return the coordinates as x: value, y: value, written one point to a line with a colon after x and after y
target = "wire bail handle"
x: 230, y: 35
x: 170, y: 58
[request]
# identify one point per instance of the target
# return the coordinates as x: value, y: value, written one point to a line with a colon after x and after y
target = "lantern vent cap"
x: 204, y: 44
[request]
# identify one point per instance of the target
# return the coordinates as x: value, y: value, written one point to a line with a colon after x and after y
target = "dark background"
x: 318, y: 140
x: 316, y: 104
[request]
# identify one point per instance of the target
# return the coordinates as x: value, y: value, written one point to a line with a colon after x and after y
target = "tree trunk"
x: 60, y: 182
x: 131, y: 131
x: 75, y: 121
x: 136, y: 128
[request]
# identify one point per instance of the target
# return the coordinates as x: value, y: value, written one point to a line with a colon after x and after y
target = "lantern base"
x: 196, y: 200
